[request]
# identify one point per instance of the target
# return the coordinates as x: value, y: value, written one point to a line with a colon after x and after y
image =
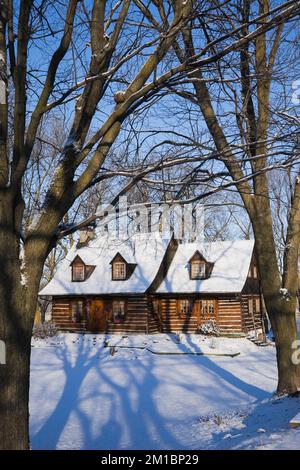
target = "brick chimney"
x: 86, y: 234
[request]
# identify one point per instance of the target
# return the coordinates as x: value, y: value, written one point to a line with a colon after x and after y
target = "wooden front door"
x: 97, y: 316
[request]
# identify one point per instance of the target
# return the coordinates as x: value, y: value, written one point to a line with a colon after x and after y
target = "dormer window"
x: 119, y: 270
x: 199, y: 267
x: 80, y: 271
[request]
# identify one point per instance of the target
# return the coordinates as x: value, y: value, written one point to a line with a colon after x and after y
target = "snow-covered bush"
x: 45, y: 330
x: 226, y: 420
x: 209, y: 328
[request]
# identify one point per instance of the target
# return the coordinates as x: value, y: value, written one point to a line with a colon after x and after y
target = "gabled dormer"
x: 199, y: 267
x: 80, y: 271
x: 121, y: 269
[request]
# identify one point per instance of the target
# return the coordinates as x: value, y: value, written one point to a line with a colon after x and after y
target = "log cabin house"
x: 147, y: 284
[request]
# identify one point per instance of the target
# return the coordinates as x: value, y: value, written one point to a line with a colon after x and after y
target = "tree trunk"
x: 15, y: 331
x: 282, y: 313
x: 14, y: 392
x: 17, y: 308
x: 285, y: 332
x: 281, y: 309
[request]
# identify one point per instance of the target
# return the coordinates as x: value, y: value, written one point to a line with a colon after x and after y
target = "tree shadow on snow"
x: 119, y: 402
x: 263, y: 426
x: 100, y: 410
x: 231, y: 379
x: 75, y: 371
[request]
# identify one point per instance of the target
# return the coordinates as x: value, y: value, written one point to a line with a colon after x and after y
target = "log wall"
x: 169, y: 320
x: 136, y: 319
x: 139, y: 316
x: 145, y: 314
x: 228, y: 316
x: 62, y: 315
x: 230, y: 319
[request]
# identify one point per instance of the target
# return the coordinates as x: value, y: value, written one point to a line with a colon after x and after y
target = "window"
x: 118, y: 311
x: 198, y: 269
x: 78, y: 272
x: 257, y: 305
x: 207, y: 308
x: 119, y: 270
x: 185, y: 307
x: 77, y: 311
x: 254, y: 272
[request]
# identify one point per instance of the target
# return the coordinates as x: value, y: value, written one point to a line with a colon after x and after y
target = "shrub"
x: 45, y: 330
x: 209, y: 328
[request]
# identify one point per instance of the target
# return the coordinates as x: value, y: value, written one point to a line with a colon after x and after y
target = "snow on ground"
x: 82, y: 397
x: 182, y: 344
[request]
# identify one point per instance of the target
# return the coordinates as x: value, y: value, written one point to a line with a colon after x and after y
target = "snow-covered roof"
x: 146, y: 251
x: 231, y: 265
x: 231, y: 261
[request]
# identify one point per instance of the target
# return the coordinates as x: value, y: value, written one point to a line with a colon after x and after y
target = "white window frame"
x: 77, y: 311
x: 119, y: 270
x: 198, y: 269
x: 76, y: 276
x: 253, y: 272
x: 208, y: 308
x: 116, y: 306
x: 185, y: 311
